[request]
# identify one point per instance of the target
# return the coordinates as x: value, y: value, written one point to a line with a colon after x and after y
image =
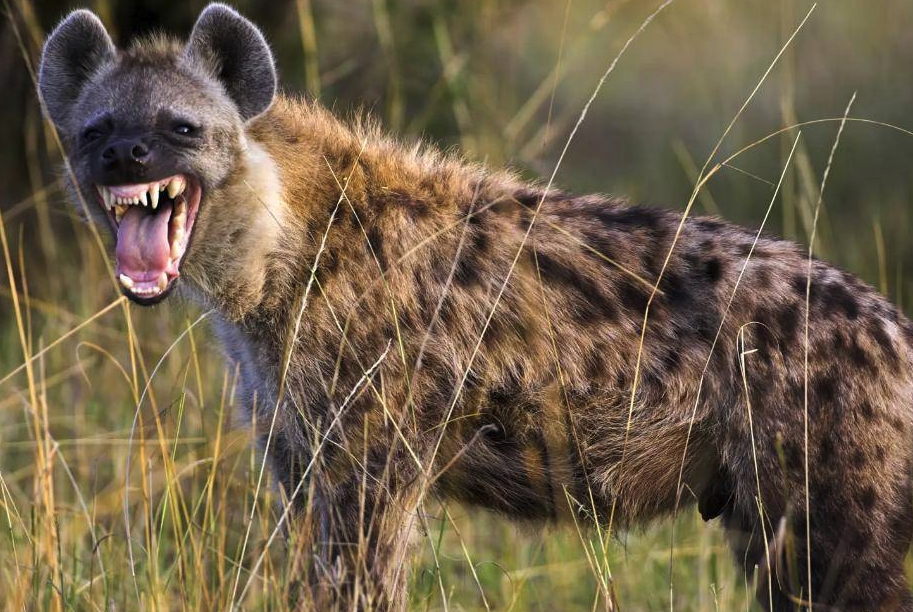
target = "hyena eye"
x: 185, y: 129
x: 91, y: 135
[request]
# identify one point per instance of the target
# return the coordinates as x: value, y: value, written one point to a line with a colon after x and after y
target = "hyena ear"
x: 234, y: 47
x: 74, y: 50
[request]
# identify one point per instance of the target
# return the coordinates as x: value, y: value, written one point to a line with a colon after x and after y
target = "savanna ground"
x: 106, y: 507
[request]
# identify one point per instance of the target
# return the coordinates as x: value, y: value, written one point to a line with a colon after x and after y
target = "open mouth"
x: 153, y: 222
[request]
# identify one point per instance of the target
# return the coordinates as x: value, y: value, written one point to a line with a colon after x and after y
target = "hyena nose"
x: 125, y: 153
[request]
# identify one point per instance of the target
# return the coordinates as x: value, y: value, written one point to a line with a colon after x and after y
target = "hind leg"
x: 860, y: 533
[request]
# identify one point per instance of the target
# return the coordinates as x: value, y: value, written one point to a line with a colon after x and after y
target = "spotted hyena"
x: 407, y: 323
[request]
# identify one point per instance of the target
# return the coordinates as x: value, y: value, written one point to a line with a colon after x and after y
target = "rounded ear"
x: 236, y: 51
x: 73, y: 52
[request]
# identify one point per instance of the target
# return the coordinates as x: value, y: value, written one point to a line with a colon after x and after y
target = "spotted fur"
x: 409, y: 324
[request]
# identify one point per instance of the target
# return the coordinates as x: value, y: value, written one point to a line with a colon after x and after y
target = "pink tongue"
x: 142, y: 249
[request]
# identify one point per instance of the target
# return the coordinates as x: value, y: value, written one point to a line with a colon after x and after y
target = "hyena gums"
x: 360, y: 289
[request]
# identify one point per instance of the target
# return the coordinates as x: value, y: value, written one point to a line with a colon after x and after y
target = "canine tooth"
x: 175, y: 249
x: 142, y: 198
x: 175, y: 186
x: 126, y: 281
x: 105, y: 196
x: 119, y: 212
x: 154, y: 196
x: 162, y: 282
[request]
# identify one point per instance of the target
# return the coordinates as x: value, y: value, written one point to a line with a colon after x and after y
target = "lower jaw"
x: 153, y: 288
x: 150, y: 299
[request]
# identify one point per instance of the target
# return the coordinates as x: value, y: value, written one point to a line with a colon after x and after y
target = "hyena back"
x: 407, y: 324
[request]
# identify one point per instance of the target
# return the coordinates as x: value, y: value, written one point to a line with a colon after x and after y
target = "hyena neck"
x: 248, y: 216
x: 310, y: 188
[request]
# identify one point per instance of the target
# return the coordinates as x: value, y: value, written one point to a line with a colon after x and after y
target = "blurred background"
x: 504, y: 82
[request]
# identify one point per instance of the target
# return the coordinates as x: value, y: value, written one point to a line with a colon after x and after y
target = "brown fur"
x: 521, y: 400
x: 422, y: 239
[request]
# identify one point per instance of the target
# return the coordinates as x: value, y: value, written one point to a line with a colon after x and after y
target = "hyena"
x: 409, y: 324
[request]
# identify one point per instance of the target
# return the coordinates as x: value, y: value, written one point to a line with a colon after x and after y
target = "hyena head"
x: 154, y: 132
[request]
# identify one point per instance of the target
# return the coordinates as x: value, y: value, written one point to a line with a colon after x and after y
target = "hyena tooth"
x: 154, y: 196
x: 175, y: 186
x: 126, y: 281
x: 175, y: 247
x: 162, y: 281
x: 107, y: 196
x: 119, y: 212
x: 142, y: 199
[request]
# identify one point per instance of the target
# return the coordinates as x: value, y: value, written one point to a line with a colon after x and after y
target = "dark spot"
x: 858, y: 458
x: 633, y: 296
x: 525, y: 219
x: 495, y: 332
x: 713, y: 270
x: 672, y: 360
x: 859, y: 356
x: 787, y: 320
x: 827, y: 447
x: 865, y: 408
x: 794, y: 457
x: 880, y: 453
x: 468, y: 269
x: 480, y: 242
x: 709, y: 225
x: 799, y: 283
x: 822, y: 490
x: 376, y: 240
x: 630, y: 217
x: 836, y: 295
x: 601, y: 245
x: 825, y: 389
x: 593, y: 304
x: 529, y: 198
x: 676, y: 290
x: 867, y: 497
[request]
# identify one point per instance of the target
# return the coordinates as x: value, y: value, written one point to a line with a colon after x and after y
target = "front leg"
x: 354, y: 518
x: 364, y: 531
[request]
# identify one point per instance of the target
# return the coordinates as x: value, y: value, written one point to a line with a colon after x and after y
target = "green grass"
x: 505, y: 81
